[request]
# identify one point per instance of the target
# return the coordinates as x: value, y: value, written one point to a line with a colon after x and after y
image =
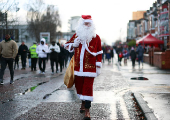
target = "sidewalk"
x: 155, y: 91
x: 112, y: 94
x: 61, y: 103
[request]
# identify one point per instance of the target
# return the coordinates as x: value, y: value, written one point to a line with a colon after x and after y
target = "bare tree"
x: 7, y: 8
x: 42, y: 18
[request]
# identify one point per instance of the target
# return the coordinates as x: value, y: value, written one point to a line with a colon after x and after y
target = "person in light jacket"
x: 8, y: 52
x: 42, y: 50
x: 54, y: 50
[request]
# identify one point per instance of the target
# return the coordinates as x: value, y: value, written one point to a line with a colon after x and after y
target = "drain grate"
x: 139, y: 78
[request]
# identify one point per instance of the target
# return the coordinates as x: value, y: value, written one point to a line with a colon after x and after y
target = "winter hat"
x: 87, y: 18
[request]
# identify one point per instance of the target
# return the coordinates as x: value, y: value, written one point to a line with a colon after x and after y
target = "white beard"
x: 85, y: 33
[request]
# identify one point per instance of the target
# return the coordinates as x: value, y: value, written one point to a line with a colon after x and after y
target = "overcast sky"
x: 110, y: 16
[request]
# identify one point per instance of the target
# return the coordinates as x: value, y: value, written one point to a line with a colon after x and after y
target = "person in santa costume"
x: 86, y: 45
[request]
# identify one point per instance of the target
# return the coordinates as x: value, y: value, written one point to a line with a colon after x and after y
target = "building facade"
x: 155, y: 21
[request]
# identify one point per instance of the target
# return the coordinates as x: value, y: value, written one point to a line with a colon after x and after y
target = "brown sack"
x: 69, y: 75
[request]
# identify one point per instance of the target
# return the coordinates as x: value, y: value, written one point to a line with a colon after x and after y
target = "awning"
x: 150, y: 40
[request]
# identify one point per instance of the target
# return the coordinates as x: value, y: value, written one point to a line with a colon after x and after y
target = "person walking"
x: 103, y: 55
x: 133, y: 56
x: 112, y: 54
x: 66, y: 56
x: 16, y: 61
x: 34, y: 56
x: 42, y: 50
x: 23, y: 49
x: 119, y: 54
x: 8, y: 52
x: 140, y: 52
x: 54, y: 50
x: 61, y: 57
x: 29, y: 59
x: 86, y: 45
x: 108, y: 55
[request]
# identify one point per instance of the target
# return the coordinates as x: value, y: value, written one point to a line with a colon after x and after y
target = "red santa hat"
x: 87, y: 18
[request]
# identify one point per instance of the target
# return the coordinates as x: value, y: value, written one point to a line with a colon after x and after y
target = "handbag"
x: 69, y: 75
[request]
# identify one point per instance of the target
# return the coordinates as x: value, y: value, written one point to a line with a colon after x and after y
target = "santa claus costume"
x: 86, y: 45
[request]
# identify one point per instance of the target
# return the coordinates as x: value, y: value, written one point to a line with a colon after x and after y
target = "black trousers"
x: 23, y: 60
x: 16, y: 63
x: 4, y: 62
x: 42, y: 60
x: 133, y: 62
x: 65, y: 61
x: 52, y: 64
x: 61, y: 62
x: 33, y: 63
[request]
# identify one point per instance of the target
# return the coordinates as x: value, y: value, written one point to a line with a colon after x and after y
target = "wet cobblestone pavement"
x: 35, y: 96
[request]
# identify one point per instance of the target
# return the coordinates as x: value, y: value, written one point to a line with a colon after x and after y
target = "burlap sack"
x: 69, y: 75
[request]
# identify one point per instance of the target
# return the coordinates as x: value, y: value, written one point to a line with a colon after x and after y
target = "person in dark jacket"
x: 133, y: 56
x: 16, y: 61
x: 112, y: 54
x: 23, y: 49
x: 66, y: 52
x: 108, y: 55
x: 119, y: 54
x: 54, y: 50
x: 104, y: 52
x: 61, y: 57
x: 140, y: 52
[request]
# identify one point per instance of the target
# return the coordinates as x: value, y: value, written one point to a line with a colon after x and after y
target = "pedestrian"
x: 42, y: 50
x: 16, y: 61
x: 23, y: 49
x: 61, y: 57
x: 108, y: 55
x: 112, y: 54
x: 103, y: 55
x: 119, y: 54
x: 133, y: 56
x: 66, y: 55
x: 140, y: 52
x: 86, y: 45
x: 34, y: 56
x: 29, y: 59
x: 125, y: 56
x: 54, y: 50
x: 8, y: 52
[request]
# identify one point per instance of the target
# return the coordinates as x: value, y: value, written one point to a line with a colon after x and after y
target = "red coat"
x: 86, y: 57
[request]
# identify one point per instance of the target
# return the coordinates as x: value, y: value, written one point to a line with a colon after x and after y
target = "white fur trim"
x: 81, y: 58
x: 69, y: 49
x: 99, y: 64
x: 85, y: 74
x: 88, y: 20
x: 94, y: 54
x: 83, y: 97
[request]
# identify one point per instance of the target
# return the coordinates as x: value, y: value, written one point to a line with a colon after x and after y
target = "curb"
x: 147, y: 112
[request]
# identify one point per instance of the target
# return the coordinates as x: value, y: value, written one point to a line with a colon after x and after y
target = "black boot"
x: 82, y: 109
x: 87, y: 110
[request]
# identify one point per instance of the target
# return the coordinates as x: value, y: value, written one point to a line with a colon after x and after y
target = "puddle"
x: 31, y: 89
x: 47, y: 95
x: 139, y: 78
